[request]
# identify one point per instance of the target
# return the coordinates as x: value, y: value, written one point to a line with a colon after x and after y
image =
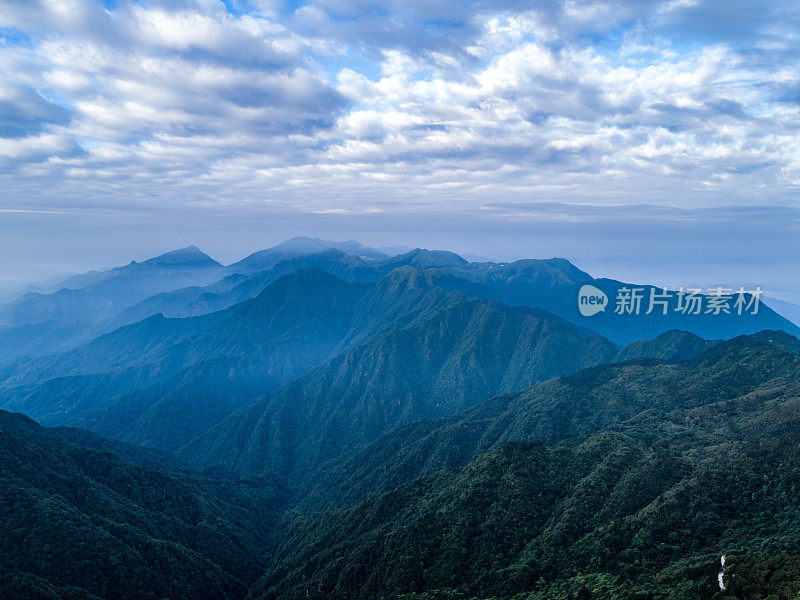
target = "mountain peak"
x: 299, y: 242
x: 559, y: 268
x: 305, y: 244
x: 769, y: 351
x: 300, y: 246
x: 190, y: 255
x: 773, y: 337
x: 671, y: 346
x: 421, y: 258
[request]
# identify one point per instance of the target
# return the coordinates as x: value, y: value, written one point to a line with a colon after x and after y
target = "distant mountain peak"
x: 773, y: 344
x: 671, y: 346
x: 304, y: 243
x: 190, y: 255
x: 300, y: 246
x: 561, y: 266
x: 568, y: 267
x: 299, y: 240
x: 422, y: 258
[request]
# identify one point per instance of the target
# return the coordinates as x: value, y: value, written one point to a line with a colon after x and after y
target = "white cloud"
x: 189, y: 99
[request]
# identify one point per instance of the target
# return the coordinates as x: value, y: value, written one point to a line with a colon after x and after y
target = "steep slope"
x: 789, y: 310
x: 79, y: 522
x: 136, y: 383
x: 571, y: 406
x: 554, y: 286
x: 641, y: 503
x: 257, y: 345
x: 439, y: 363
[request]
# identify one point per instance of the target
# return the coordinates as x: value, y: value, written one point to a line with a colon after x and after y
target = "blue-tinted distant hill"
x: 298, y: 246
x: 195, y: 301
x: 40, y: 322
x: 163, y: 381
x: 96, y: 295
x: 246, y: 350
x: 237, y: 288
x: 788, y: 310
x: 72, y: 311
x: 189, y: 283
x: 552, y: 284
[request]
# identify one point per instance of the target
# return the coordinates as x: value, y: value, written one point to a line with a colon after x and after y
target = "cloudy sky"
x: 657, y: 139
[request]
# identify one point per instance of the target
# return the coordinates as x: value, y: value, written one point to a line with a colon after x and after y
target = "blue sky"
x: 661, y: 132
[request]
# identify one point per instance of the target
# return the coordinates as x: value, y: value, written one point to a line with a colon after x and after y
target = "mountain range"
x: 628, y: 480
x: 323, y: 420
x: 620, y: 481
x: 71, y: 312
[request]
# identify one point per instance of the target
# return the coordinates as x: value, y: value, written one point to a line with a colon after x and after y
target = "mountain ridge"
x: 638, y: 507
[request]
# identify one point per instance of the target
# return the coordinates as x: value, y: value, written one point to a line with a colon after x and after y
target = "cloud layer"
x: 344, y: 107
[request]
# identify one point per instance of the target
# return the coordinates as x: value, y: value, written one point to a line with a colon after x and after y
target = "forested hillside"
x: 83, y: 519
x: 640, y: 502
x: 136, y: 382
x: 336, y: 423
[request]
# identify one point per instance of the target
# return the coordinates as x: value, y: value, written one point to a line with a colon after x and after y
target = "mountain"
x: 83, y: 522
x: 420, y: 258
x: 136, y: 382
x: 625, y: 481
x: 189, y: 283
x: 570, y: 407
x: 554, y: 285
x: 206, y: 364
x: 298, y: 246
x: 184, y: 282
x: 670, y: 346
x: 190, y: 256
x: 92, y: 297
x: 77, y: 316
x: 326, y: 421
x: 441, y: 362
x: 402, y: 439
x: 204, y: 300
x: 174, y: 304
x: 238, y: 288
x: 49, y: 321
